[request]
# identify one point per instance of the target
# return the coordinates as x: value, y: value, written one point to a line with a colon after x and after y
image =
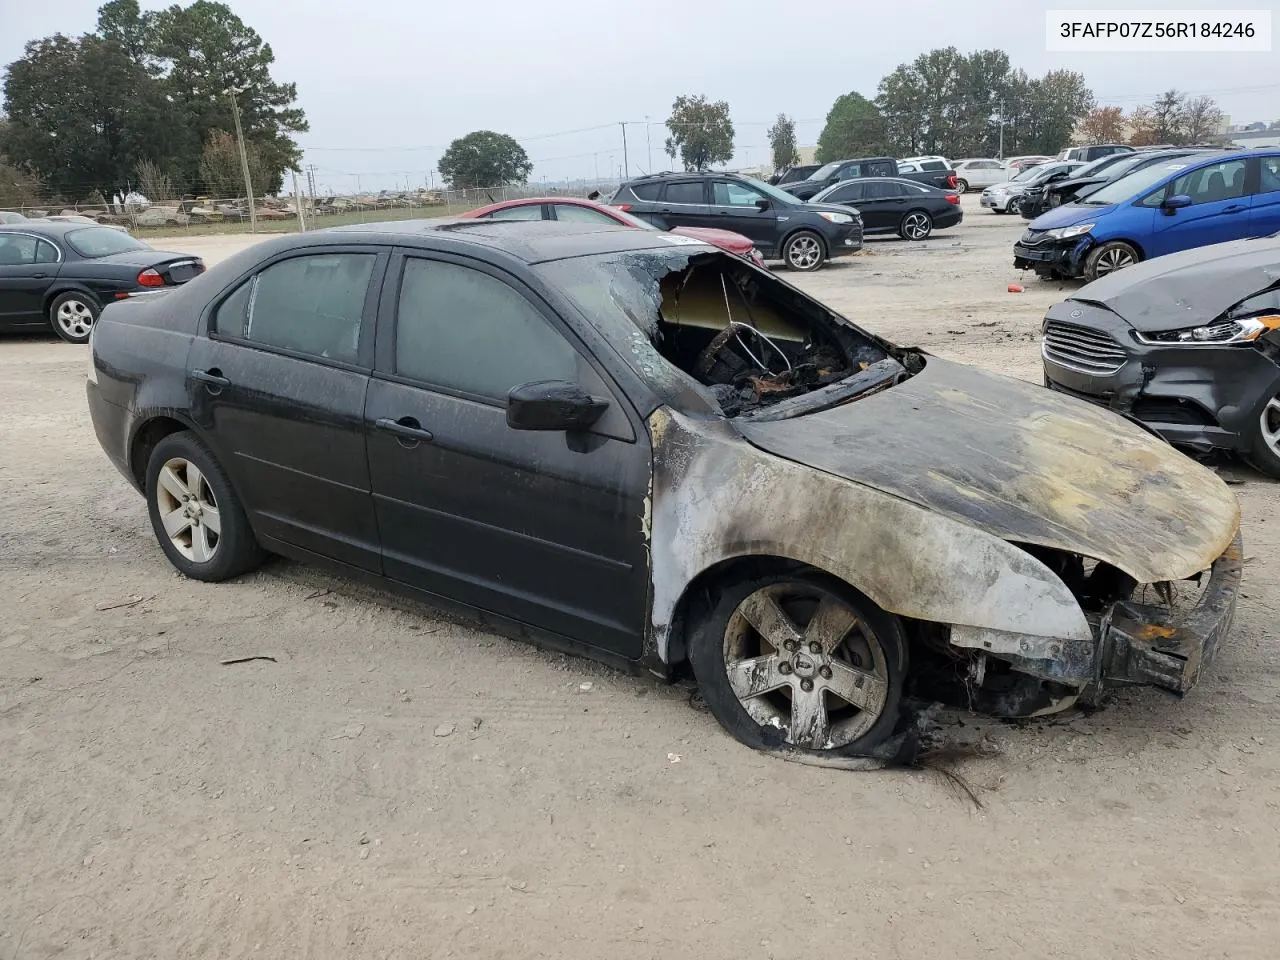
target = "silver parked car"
x: 1003, y: 197
x: 979, y: 172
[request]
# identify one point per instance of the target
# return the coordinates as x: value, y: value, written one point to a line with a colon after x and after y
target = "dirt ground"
x: 396, y: 785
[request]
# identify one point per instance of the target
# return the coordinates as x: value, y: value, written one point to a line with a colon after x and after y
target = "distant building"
x: 1256, y: 136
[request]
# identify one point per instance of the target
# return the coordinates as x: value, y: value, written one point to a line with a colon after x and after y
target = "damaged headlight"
x: 835, y: 217
x: 1063, y: 233
x: 1244, y: 330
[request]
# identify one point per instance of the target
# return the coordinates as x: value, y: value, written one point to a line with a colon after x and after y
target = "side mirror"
x: 1176, y: 203
x: 763, y: 204
x: 552, y: 405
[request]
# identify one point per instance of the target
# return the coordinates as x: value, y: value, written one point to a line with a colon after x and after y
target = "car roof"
x: 45, y: 228
x: 903, y: 180
x: 533, y: 241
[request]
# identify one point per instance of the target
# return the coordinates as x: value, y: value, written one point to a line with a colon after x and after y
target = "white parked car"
x: 923, y: 164
x: 979, y: 172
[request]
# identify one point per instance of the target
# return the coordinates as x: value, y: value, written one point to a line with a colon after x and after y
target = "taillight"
x: 951, y: 180
x: 953, y: 198
x: 624, y: 207
x: 150, y: 278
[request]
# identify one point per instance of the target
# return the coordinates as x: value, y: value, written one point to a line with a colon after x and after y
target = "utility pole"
x: 596, y: 157
x: 244, y: 160
x: 311, y: 181
x: 626, y: 163
x: 1000, y: 152
x: 648, y: 142
x: 297, y: 202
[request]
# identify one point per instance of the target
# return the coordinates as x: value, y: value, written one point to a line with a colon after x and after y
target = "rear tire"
x: 197, y: 517
x: 804, y: 251
x: 73, y: 315
x: 916, y: 225
x: 844, y: 649
x: 961, y: 185
x: 1108, y: 258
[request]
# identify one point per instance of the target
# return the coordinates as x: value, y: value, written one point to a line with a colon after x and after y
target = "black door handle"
x: 213, y: 380
x: 407, y: 430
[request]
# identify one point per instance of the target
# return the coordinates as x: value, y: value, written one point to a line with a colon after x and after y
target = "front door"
x: 1219, y: 208
x: 279, y: 385
x: 734, y: 206
x: 883, y: 205
x: 546, y: 528
x: 28, y: 267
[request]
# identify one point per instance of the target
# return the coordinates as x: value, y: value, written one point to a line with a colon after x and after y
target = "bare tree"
x: 1202, y: 120
x: 154, y: 183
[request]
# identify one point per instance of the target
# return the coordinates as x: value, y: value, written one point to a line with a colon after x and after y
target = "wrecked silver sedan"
x: 637, y: 447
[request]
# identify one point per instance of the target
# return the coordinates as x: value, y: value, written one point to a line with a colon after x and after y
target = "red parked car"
x: 573, y: 210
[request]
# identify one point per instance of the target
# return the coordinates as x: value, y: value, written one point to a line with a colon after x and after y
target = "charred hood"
x: 1024, y: 464
x: 1189, y: 288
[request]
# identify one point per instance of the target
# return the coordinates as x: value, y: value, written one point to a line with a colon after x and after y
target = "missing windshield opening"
x: 751, y: 341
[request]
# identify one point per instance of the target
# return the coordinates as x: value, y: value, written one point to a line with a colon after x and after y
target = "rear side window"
x: 647, y: 191
x: 312, y: 305
x: 46, y: 252
x: 685, y: 191
x: 465, y: 330
x: 880, y: 168
x: 527, y: 211
x: 933, y: 165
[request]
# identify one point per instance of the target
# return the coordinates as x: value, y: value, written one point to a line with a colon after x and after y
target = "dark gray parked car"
x: 1188, y: 343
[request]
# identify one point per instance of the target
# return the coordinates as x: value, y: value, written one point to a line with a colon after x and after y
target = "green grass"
x: 384, y: 215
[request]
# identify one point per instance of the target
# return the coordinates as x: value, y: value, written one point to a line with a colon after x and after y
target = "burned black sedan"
x: 635, y: 446
x: 1189, y: 344
x: 61, y: 274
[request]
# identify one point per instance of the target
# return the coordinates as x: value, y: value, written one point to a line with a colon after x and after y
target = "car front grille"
x: 1079, y: 348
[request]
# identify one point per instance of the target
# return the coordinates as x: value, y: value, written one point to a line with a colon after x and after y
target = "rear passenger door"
x: 684, y: 204
x: 278, y: 383
x: 883, y: 205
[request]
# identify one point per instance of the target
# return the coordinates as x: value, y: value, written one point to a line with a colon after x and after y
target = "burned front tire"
x: 800, y: 661
x: 804, y: 251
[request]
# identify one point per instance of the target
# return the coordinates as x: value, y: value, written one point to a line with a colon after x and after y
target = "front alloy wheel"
x: 800, y: 661
x: 1107, y: 259
x: 804, y: 252
x: 1265, y: 454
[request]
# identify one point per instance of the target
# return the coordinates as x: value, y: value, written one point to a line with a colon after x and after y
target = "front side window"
x: 312, y: 305
x: 726, y: 193
x: 686, y: 191
x: 850, y: 193
x: 17, y: 250
x: 1218, y: 181
x: 465, y: 330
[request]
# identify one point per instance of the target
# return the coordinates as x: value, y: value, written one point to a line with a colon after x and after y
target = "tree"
x: 1056, y: 103
x: 920, y: 101
x: 81, y: 114
x: 484, y: 159
x: 1202, y: 120
x: 1165, y: 114
x: 220, y: 169
x: 146, y: 86
x: 854, y: 128
x: 782, y: 142
x: 203, y: 51
x: 1102, y: 125
x: 701, y: 132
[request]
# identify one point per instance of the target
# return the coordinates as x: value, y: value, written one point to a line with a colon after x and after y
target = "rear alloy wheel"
x: 803, y: 251
x: 1108, y: 258
x: 73, y: 316
x: 916, y: 225
x: 195, y: 513
x: 961, y: 185
x: 800, y: 661
x: 1265, y: 454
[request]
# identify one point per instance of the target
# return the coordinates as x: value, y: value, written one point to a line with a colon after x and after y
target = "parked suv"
x: 838, y: 171
x: 803, y: 235
x: 980, y: 172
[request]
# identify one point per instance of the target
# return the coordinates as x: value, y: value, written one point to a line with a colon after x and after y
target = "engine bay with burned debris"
x: 758, y: 346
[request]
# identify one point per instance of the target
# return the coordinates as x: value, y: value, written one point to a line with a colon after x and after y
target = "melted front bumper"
x: 1157, y: 646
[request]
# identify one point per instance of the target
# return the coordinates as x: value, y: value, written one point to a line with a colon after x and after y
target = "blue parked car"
x: 1182, y: 203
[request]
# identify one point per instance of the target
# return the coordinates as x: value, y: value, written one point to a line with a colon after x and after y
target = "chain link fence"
x: 280, y: 214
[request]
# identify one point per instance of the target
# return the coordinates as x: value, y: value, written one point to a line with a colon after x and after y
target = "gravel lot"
x: 398, y: 785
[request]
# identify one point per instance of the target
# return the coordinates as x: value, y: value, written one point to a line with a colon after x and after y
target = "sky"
x: 387, y: 85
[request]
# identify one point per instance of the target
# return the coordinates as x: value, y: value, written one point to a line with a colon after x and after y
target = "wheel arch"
x: 60, y: 287
x: 804, y: 228
x: 147, y: 433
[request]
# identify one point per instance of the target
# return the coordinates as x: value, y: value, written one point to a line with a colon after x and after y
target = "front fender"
x: 715, y: 497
